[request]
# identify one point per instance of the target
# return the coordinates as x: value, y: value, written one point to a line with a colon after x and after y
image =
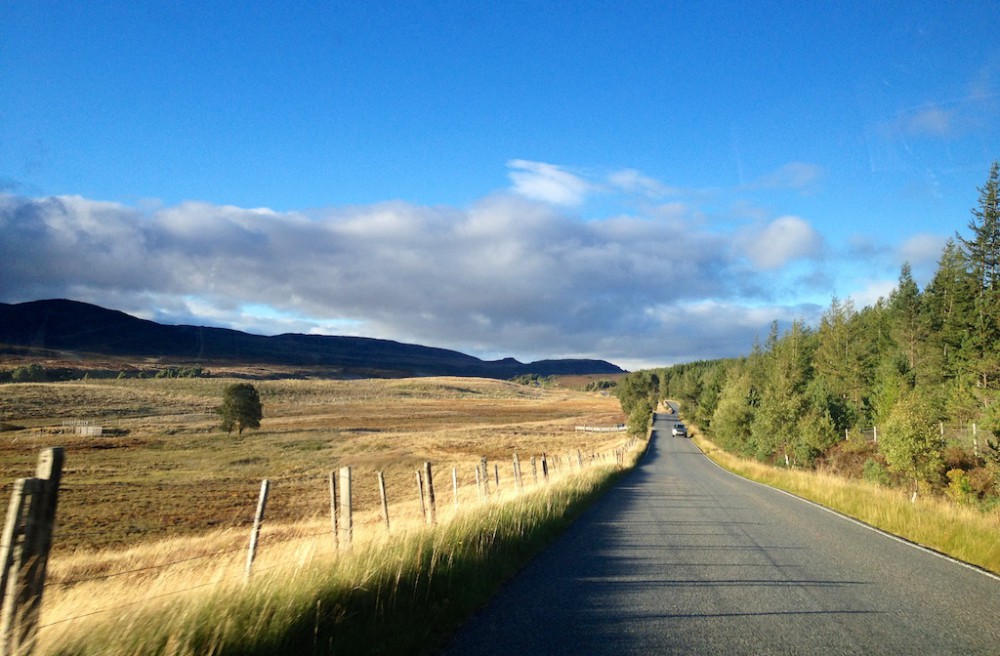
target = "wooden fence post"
x: 534, y: 470
x: 385, y: 503
x: 496, y: 474
x: 479, y: 484
x: 486, y: 478
x: 517, y: 473
x: 454, y: 485
x: 333, y: 507
x: 27, y: 540
x: 258, y: 519
x: 420, y: 495
x: 545, y: 469
x: 429, y: 480
x: 346, y: 518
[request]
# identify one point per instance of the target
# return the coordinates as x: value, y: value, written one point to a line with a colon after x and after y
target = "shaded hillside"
x: 63, y: 325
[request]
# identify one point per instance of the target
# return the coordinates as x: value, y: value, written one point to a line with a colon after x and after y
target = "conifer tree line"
x: 908, y: 365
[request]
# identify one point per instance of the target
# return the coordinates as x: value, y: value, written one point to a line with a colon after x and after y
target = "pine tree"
x: 983, y: 253
x: 949, y: 301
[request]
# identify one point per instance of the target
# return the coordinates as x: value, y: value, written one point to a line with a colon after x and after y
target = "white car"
x: 680, y: 430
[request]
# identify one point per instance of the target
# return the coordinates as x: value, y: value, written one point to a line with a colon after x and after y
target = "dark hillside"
x: 81, y: 328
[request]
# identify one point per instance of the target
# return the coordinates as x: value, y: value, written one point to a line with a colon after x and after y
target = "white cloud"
x: 781, y: 241
x: 922, y: 250
x: 508, y: 275
x: 632, y: 181
x: 793, y: 175
x: 869, y: 292
x: 547, y: 183
x: 929, y: 121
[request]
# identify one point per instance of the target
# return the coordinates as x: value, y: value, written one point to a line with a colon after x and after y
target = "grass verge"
x: 404, y: 596
x: 966, y: 534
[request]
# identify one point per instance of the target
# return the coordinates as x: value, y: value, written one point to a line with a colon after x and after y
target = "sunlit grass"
x: 153, y: 523
x: 391, y: 592
x: 968, y: 534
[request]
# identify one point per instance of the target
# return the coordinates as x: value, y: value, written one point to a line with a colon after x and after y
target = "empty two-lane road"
x: 685, y: 558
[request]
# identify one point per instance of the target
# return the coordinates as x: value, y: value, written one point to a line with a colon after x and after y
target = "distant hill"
x: 84, y: 329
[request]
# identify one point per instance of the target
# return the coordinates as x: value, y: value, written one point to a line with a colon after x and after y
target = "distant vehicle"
x: 680, y: 430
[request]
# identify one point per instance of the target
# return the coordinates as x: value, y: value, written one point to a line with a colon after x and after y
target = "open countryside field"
x: 164, y: 469
x: 154, y: 515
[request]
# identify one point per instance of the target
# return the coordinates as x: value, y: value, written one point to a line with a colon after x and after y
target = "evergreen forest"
x: 905, y: 392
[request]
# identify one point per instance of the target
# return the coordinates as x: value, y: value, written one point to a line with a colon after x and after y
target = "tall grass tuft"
x: 403, y: 595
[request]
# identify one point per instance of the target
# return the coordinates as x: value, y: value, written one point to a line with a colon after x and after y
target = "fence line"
x: 965, y: 436
x: 342, y: 518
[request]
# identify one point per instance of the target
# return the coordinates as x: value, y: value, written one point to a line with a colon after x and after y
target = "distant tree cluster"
x: 536, y: 380
x: 181, y: 372
x: 906, y: 365
x: 600, y: 385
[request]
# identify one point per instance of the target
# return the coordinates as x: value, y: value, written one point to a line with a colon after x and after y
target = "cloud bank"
x: 512, y: 274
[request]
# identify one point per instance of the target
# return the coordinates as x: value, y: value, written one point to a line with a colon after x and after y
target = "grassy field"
x: 158, y: 509
x: 165, y: 448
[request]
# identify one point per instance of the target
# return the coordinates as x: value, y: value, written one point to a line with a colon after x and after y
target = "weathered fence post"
x: 420, y: 494
x: 346, y: 519
x: 579, y: 459
x: 258, y: 519
x: 534, y: 470
x: 333, y: 506
x: 486, y: 478
x: 517, y: 473
x: 385, y: 503
x: 454, y: 485
x: 24, y: 555
x: 545, y: 469
x: 429, y: 478
x: 496, y: 474
x: 479, y: 484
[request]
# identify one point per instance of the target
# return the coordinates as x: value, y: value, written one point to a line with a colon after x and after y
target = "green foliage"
x: 911, y: 442
x: 639, y: 418
x: 904, y: 364
x: 875, y: 472
x: 181, y: 372
x: 32, y: 373
x: 600, y: 385
x: 534, y: 380
x: 960, y: 488
x: 241, y: 408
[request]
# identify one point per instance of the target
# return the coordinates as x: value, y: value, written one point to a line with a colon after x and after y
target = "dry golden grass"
x: 158, y: 511
x: 167, y: 470
x: 157, y: 514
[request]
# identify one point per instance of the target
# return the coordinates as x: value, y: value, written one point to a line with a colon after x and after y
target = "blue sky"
x: 647, y: 183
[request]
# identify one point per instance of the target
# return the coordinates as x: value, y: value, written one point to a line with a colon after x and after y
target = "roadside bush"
x: 875, y: 472
x: 959, y: 487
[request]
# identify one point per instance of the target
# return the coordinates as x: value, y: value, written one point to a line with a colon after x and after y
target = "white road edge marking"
x: 974, y: 568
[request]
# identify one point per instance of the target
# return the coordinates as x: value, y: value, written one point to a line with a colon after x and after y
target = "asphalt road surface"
x: 685, y: 558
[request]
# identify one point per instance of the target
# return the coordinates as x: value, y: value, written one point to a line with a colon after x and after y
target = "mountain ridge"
x: 64, y: 325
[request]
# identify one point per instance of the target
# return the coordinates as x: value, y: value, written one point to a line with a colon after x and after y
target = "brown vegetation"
x: 164, y: 468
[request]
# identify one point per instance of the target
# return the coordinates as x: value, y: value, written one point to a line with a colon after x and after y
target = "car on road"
x: 679, y: 430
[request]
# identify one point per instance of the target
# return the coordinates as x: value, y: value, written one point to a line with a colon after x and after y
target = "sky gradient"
x: 647, y: 183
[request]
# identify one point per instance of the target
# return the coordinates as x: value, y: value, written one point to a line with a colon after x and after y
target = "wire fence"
x: 196, y: 563
x: 969, y: 437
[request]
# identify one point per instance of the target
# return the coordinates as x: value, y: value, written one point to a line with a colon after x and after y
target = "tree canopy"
x: 241, y: 408
x: 910, y: 364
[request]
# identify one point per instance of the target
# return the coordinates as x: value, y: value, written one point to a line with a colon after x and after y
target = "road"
x: 685, y: 558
